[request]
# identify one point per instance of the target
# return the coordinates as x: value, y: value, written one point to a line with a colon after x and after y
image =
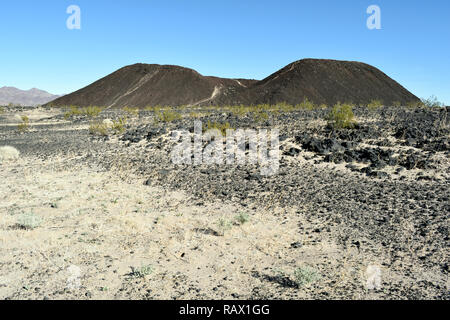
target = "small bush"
x: 91, y: 112
x: 24, y: 126
x: 2, y: 110
x: 167, y: 116
x: 375, y: 104
x: 141, y: 272
x: 118, y: 126
x: 415, y: 104
x: 222, y: 127
x: 224, y: 225
x: 242, y: 218
x: 397, y: 104
x: 341, y: 116
x: 131, y: 111
x: 432, y: 102
x: 98, y: 128
x: 305, y: 275
x: 306, y: 105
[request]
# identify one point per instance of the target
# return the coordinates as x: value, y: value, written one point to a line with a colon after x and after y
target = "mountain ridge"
x: 31, y: 97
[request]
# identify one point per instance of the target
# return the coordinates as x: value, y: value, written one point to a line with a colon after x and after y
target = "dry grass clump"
x: 98, y: 128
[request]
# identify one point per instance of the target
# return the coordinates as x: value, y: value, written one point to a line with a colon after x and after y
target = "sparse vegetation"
x: 341, y: 116
x: 432, y: 102
x: 98, y: 128
x: 91, y: 112
x: 224, y: 225
x: 222, y: 127
x: 166, y: 116
x: 242, y: 218
x: 131, y: 111
x: 2, y: 110
x: 24, y: 126
x: 375, y: 104
x: 118, y: 126
x: 305, y: 275
x: 141, y: 272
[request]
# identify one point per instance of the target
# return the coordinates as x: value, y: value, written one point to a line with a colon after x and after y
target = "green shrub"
x: 141, y: 272
x: 118, y: 126
x: 167, y: 116
x: 305, y: 275
x: 24, y: 126
x: 2, y: 110
x: 131, y: 111
x: 306, y: 104
x: 242, y: 218
x: 341, y: 116
x: 375, y: 104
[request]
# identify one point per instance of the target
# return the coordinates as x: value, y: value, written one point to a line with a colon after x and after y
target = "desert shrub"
x: 260, y: 115
x: 415, y: 104
x: 167, y: 116
x: 222, y: 127
x: 306, y: 105
x: 432, y: 102
x: 374, y: 104
x: 28, y: 221
x: 341, y: 116
x: 131, y: 111
x: 8, y: 153
x: 141, y: 272
x: 305, y: 275
x: 2, y: 110
x: 91, y: 111
x: 223, y: 226
x: 98, y: 128
x: 240, y: 111
x: 242, y: 218
x: 397, y: 104
x: 118, y: 126
x: 24, y: 126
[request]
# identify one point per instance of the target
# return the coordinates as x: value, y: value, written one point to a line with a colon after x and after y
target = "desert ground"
x: 85, y: 215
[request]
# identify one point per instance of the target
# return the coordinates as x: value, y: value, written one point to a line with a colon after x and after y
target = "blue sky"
x: 226, y: 38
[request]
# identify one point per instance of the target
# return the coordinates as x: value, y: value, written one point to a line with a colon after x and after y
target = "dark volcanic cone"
x: 321, y: 81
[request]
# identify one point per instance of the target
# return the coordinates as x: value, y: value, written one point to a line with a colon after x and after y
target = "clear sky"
x: 226, y: 38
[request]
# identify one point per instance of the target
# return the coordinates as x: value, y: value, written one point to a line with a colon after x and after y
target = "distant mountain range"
x: 30, y: 97
x: 320, y: 81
